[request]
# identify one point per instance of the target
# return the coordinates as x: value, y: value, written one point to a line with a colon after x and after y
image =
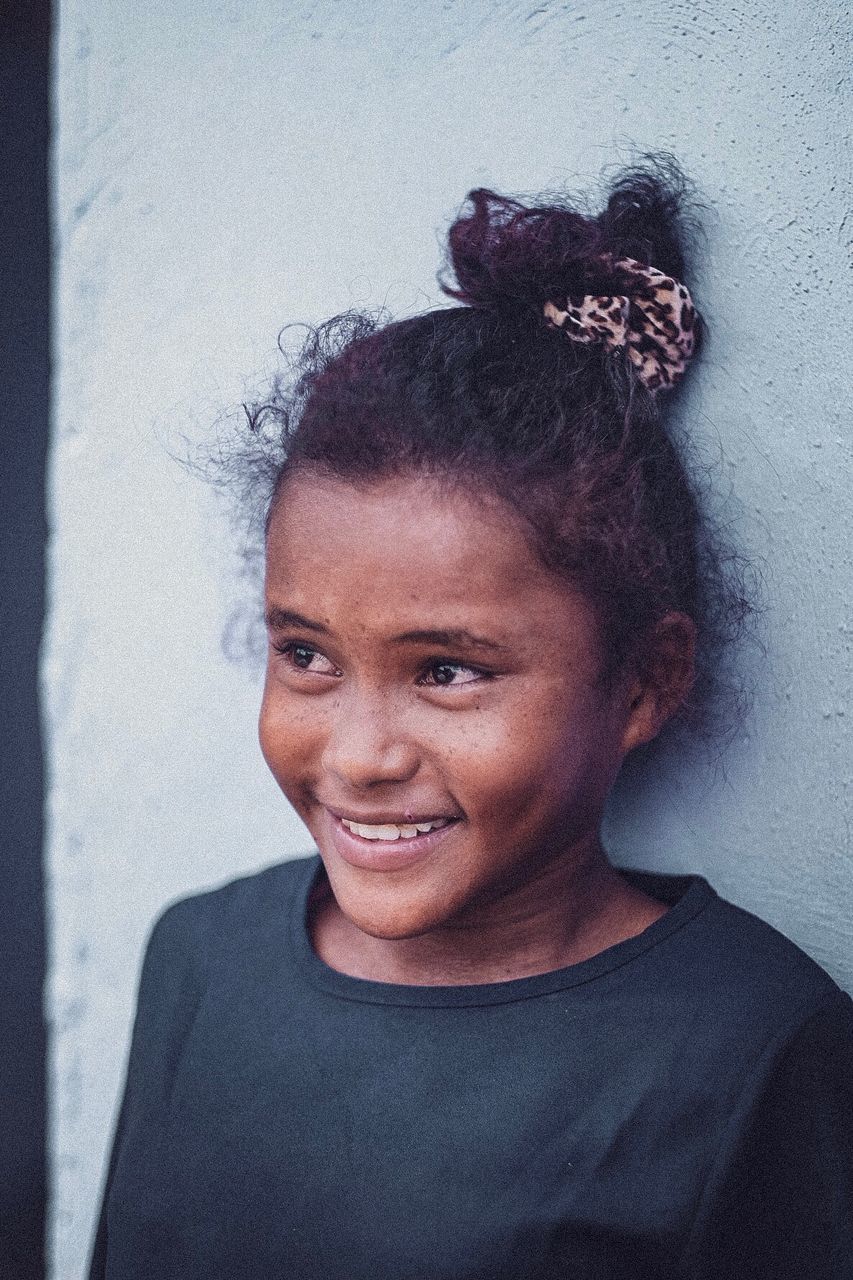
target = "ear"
x: 663, y: 680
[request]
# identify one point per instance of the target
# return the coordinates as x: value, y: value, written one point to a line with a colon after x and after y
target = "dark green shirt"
x: 680, y: 1105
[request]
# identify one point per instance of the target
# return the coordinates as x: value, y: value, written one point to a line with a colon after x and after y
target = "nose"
x: 367, y: 743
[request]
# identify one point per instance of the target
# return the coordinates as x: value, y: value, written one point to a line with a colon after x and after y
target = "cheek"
x: 289, y: 735
x: 527, y: 751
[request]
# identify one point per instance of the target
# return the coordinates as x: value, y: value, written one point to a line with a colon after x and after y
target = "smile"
x: 393, y: 831
x: 388, y: 846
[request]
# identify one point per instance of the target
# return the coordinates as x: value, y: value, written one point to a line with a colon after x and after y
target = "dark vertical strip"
x: 24, y: 399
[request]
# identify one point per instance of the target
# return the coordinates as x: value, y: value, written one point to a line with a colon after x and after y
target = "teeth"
x: 392, y: 831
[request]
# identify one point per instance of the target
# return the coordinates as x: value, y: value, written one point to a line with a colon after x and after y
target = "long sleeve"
x: 778, y: 1204
x: 169, y: 989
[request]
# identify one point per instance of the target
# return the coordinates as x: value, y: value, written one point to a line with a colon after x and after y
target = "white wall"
x: 225, y: 167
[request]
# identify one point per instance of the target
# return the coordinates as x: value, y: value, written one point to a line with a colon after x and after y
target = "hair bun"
x: 504, y: 253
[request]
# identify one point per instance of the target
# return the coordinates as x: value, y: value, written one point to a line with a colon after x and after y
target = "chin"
x: 391, y: 914
x: 388, y: 930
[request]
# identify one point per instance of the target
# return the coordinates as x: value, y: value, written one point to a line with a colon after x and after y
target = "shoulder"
x: 189, y: 928
x: 258, y: 890
x: 732, y: 982
x: 748, y: 963
x: 747, y: 994
x: 792, y: 1018
x: 778, y: 1182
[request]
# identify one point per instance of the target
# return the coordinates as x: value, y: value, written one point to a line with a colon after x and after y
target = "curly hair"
x: 482, y: 392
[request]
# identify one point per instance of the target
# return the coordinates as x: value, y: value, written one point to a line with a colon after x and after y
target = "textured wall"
x: 225, y: 167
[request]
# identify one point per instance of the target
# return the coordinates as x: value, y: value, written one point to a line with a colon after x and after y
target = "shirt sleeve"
x: 778, y: 1204
x: 169, y: 990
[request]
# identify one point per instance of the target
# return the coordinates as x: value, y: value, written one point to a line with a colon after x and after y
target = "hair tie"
x: 654, y: 319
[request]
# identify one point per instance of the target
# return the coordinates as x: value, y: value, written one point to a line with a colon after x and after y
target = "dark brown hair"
x: 485, y: 394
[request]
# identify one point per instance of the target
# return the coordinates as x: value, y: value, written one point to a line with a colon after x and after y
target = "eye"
x: 302, y: 658
x: 451, y: 673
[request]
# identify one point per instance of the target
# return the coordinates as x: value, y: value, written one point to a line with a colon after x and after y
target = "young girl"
x: 459, y: 1042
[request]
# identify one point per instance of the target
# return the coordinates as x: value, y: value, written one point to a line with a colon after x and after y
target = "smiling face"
x: 425, y: 668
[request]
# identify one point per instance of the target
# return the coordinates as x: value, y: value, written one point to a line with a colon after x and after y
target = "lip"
x: 384, y: 855
x: 386, y: 818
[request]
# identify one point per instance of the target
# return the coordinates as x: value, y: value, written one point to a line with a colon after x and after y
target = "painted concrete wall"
x: 226, y: 167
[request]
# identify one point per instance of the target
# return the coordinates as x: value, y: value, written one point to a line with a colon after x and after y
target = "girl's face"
x: 426, y: 670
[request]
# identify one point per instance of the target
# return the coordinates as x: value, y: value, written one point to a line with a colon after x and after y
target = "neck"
x: 568, y: 913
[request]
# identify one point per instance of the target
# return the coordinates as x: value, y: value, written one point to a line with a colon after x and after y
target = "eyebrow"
x: 449, y: 637
x: 278, y: 619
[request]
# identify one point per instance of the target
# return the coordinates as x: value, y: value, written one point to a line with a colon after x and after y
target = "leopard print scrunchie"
x: 654, y: 319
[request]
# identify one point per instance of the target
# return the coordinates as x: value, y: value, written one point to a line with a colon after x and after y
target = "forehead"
x: 410, y: 536
x: 413, y: 552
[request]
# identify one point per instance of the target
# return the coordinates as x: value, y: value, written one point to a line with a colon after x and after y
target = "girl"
x: 459, y: 1042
